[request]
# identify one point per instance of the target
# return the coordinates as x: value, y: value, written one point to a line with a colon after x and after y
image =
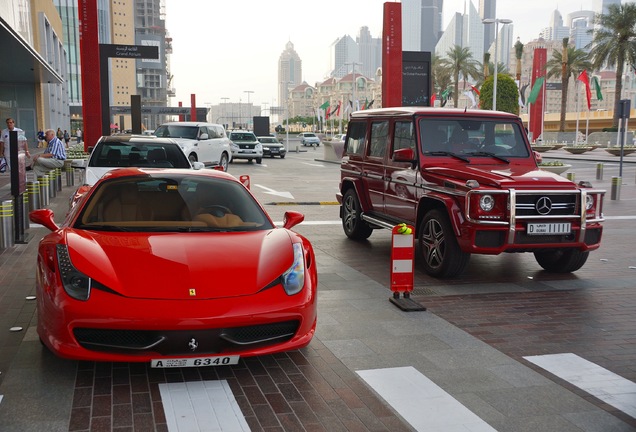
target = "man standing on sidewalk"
x: 53, y: 157
x: 4, y: 139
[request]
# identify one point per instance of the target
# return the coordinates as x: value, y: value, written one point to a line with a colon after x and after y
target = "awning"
x: 20, y: 63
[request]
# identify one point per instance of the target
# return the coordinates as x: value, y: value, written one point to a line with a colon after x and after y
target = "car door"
x: 374, y: 163
x: 400, y: 199
x: 216, y: 141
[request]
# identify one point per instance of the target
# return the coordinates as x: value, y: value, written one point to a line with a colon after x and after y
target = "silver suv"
x: 309, y: 139
x: 202, y: 142
x: 245, y: 145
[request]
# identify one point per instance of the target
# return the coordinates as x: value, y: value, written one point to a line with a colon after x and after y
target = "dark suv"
x: 468, y: 182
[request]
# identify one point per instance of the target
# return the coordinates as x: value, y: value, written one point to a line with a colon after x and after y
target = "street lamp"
x: 495, y: 21
x: 249, y: 108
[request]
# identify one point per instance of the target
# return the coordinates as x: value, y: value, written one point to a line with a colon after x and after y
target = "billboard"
x: 416, y: 78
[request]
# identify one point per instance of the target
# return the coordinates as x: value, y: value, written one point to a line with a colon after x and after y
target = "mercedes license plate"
x: 195, y: 362
x: 549, y: 228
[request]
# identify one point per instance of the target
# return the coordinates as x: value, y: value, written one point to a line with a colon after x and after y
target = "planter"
x: 578, y: 150
x: 558, y: 146
x: 617, y: 151
x: 556, y: 169
x: 542, y: 148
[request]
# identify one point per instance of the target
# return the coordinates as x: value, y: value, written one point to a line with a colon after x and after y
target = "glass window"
x: 379, y: 138
x: 357, y: 138
x: 404, y: 135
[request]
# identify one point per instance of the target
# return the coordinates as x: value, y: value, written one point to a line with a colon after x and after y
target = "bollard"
x: 44, y: 190
x: 52, y: 184
x: 70, y: 173
x: 297, y: 149
x: 616, y: 188
x: 33, y: 191
x: 402, y: 267
x: 25, y: 211
x: 58, y: 177
x: 599, y: 171
x: 570, y: 176
x: 7, y: 235
x: 245, y: 179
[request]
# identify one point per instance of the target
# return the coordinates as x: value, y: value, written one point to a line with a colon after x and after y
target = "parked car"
x: 173, y: 267
x: 468, y: 182
x: 245, y: 145
x: 309, y: 139
x: 339, y: 137
x: 272, y: 147
x: 118, y: 151
x: 201, y: 142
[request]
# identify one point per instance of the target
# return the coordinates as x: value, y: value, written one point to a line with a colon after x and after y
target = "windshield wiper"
x: 485, y: 153
x: 447, y: 153
x: 104, y: 228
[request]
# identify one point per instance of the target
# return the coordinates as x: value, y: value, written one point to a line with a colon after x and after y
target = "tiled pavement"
x: 469, y: 344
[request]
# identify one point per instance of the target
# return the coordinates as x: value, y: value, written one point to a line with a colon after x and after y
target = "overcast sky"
x: 224, y: 49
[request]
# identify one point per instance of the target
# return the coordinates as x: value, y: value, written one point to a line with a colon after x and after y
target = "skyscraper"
x: 488, y: 9
x: 421, y: 24
x: 290, y: 71
x: 343, y: 52
x: 369, y: 52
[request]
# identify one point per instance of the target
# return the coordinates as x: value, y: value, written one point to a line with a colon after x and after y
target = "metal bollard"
x: 70, y: 174
x: 570, y: 176
x: 44, y: 190
x: 616, y: 188
x: 599, y: 171
x: 33, y: 190
x: 52, y: 184
x: 25, y: 211
x: 7, y: 231
x: 58, y: 177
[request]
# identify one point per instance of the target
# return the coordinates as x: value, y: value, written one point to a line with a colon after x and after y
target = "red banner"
x: 392, y: 55
x: 536, y: 109
x: 89, y: 53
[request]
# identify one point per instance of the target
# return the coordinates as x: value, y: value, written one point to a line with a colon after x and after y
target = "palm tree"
x: 570, y: 62
x: 486, y: 65
x: 441, y: 75
x: 518, y: 55
x: 460, y: 61
x: 614, y: 43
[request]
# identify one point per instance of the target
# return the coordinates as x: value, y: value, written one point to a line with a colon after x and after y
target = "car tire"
x: 440, y: 253
x: 249, y: 161
x: 193, y: 157
x: 224, y: 162
x: 561, y: 260
x: 282, y: 156
x: 354, y: 227
x: 259, y: 160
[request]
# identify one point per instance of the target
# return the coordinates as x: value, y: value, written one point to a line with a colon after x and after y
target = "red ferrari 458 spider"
x: 173, y: 267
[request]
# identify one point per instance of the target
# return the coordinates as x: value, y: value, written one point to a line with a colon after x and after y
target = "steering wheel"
x: 217, y: 210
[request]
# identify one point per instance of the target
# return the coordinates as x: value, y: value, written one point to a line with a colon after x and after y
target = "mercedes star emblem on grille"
x: 193, y: 344
x: 543, y: 205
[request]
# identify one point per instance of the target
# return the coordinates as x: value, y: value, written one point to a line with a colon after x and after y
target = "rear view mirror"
x: 404, y: 155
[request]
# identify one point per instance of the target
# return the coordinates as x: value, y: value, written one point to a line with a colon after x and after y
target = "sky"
x: 230, y: 49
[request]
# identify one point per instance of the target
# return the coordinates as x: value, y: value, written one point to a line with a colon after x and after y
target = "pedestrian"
x: 41, y: 142
x: 67, y: 138
x: 79, y: 135
x: 59, y: 134
x: 53, y: 157
x: 4, y: 140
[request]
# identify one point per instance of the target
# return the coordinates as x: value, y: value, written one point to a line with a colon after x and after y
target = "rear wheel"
x: 561, y: 260
x: 440, y: 252
x: 224, y: 161
x: 352, y: 224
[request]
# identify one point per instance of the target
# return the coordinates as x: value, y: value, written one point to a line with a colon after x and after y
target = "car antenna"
x: 465, y: 109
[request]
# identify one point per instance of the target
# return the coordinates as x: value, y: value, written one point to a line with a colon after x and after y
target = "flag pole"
x: 576, y: 133
x: 543, y: 107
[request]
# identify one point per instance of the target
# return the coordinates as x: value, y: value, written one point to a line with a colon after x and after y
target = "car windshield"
x: 268, y: 140
x: 310, y: 135
x: 171, y: 203
x: 482, y: 138
x: 138, y: 154
x: 177, y: 131
x: 242, y: 137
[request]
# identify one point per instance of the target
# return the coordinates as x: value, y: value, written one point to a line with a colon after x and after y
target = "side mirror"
x: 198, y: 165
x: 44, y: 217
x: 292, y: 218
x: 203, y: 136
x: 537, y: 156
x: 404, y: 155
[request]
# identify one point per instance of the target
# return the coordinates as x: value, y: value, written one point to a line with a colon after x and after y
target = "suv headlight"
x: 235, y: 147
x: 486, y: 202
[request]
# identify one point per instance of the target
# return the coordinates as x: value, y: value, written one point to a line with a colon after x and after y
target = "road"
x: 485, y: 355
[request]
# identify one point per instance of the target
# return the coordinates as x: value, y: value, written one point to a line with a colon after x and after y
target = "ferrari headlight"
x: 75, y: 283
x: 486, y: 202
x: 293, y: 279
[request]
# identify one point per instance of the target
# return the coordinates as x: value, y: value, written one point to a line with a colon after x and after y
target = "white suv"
x: 201, y: 142
x: 245, y: 145
x: 309, y: 139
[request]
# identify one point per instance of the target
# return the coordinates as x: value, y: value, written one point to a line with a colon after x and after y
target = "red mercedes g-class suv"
x: 468, y: 181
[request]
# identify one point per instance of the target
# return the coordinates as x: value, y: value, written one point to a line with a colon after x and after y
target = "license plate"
x: 549, y: 228
x: 195, y: 362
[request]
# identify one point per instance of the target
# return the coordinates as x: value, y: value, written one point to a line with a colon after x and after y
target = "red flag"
x: 585, y: 80
x: 475, y: 89
x: 338, y: 109
x: 433, y: 100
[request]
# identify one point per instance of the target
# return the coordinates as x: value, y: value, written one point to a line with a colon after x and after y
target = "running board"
x: 380, y: 223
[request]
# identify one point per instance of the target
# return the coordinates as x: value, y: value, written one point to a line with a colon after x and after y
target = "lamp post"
x: 495, y: 21
x: 224, y: 108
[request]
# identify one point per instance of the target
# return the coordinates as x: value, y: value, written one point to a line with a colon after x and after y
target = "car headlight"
x: 589, y: 202
x: 234, y: 147
x: 265, y: 148
x: 75, y: 283
x: 293, y: 279
x: 486, y: 202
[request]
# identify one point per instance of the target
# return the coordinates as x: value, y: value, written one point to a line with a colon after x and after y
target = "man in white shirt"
x: 4, y: 140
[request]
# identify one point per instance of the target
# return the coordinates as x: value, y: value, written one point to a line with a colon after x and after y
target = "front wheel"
x: 259, y: 160
x: 224, y: 162
x: 193, y: 157
x: 561, y: 260
x: 352, y: 224
x: 282, y: 156
x: 440, y: 252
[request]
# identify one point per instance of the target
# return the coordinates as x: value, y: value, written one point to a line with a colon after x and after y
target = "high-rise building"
x: 465, y: 30
x: 343, y: 52
x: 556, y: 31
x: 488, y: 10
x: 421, y: 24
x: 580, y: 23
x: 369, y: 52
x: 290, y: 70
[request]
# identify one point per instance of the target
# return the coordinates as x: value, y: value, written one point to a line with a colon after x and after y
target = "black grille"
x: 592, y: 236
x: 489, y: 239
x: 561, y: 204
x: 175, y: 342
